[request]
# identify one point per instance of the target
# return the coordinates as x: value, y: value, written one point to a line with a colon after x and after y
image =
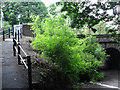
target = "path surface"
x: 13, y: 75
x: 0, y: 65
x: 112, y: 78
x: 111, y: 81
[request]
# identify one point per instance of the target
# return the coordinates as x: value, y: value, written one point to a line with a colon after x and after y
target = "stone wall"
x: 27, y: 31
x: 107, y: 42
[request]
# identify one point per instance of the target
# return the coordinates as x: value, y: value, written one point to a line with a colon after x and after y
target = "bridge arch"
x: 113, y: 61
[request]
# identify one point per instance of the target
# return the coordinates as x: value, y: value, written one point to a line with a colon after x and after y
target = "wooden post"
x: 3, y: 35
x: 14, y: 51
x: 18, y: 36
x: 15, y: 35
x: 9, y: 32
x: 29, y: 72
x: 105, y: 44
x: 20, y: 33
x: 13, y: 46
x: 18, y: 53
x: 13, y: 31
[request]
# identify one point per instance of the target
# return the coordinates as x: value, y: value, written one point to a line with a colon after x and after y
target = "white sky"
x: 48, y: 2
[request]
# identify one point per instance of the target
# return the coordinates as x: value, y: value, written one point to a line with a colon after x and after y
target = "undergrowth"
x: 77, y: 59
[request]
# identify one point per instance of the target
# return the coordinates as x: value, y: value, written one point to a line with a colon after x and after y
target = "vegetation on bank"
x: 78, y: 59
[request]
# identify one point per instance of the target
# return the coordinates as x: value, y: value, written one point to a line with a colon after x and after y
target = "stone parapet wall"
x: 107, y: 42
x: 27, y: 30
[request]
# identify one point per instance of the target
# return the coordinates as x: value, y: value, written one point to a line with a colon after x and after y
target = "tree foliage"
x: 75, y: 57
x: 11, y: 11
x: 52, y: 9
x: 6, y: 25
x: 87, y: 13
x: 102, y: 28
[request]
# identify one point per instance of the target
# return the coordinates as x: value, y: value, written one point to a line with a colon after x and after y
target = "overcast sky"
x: 48, y: 2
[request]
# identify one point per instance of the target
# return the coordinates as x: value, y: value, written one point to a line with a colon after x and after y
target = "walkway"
x: 13, y: 75
x: 110, y: 81
x: 0, y: 65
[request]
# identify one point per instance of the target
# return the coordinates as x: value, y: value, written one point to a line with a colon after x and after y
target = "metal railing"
x: 26, y: 60
x: 6, y: 32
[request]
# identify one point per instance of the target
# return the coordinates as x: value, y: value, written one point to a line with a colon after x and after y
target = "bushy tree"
x: 6, y: 25
x: 102, y: 28
x: 11, y: 11
x: 52, y: 10
x: 75, y: 57
x: 88, y: 13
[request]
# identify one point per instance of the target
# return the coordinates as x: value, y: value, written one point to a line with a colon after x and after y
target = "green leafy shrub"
x: 75, y: 57
x: 36, y: 26
x: 94, y: 48
x: 6, y: 25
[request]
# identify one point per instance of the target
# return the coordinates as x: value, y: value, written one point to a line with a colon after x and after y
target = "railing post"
x: 9, y: 32
x: 15, y: 35
x: 18, y: 36
x: 3, y: 35
x: 29, y: 72
x: 18, y: 53
x: 14, y: 44
x: 13, y: 31
x: 21, y: 33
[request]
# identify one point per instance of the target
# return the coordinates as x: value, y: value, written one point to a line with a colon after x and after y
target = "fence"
x: 6, y: 32
x: 17, y: 49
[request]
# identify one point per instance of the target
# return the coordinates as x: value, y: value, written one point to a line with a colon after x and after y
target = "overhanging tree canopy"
x: 87, y: 13
x: 11, y: 11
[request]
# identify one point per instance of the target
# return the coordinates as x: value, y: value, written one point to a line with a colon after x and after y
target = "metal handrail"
x: 3, y: 33
x: 6, y: 34
x: 23, y: 50
x: 5, y: 29
x: 16, y: 49
x: 23, y: 61
x: 27, y: 65
x: 16, y: 41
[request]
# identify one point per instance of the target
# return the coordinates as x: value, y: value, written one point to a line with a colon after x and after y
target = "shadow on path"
x: 13, y: 75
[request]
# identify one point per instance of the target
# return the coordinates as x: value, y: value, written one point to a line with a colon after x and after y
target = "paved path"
x: 13, y: 75
x: 0, y: 65
x: 111, y: 80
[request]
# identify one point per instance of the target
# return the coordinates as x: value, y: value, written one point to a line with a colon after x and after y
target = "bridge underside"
x: 113, y: 61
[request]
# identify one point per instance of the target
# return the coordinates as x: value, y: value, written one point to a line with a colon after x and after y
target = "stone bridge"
x: 107, y: 42
x: 112, y: 48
